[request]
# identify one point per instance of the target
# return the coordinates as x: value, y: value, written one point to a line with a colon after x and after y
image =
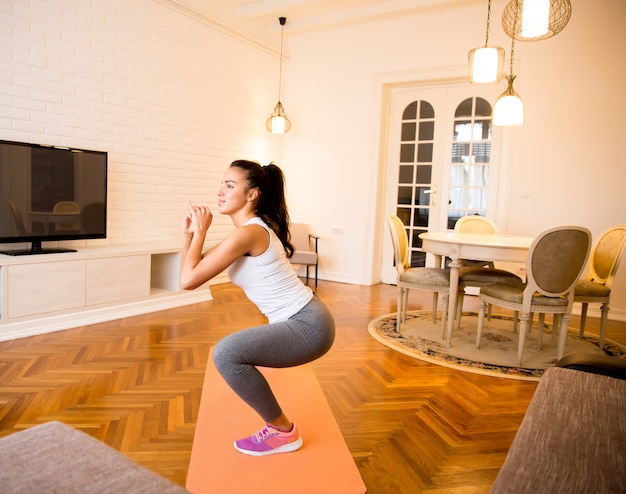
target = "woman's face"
x: 233, y: 194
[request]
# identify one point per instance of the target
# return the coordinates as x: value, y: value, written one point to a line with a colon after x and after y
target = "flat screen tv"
x: 50, y: 193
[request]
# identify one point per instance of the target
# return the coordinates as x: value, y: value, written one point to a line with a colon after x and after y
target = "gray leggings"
x: 302, y: 338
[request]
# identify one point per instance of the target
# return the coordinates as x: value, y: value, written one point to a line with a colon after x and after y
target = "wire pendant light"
x: 486, y: 63
x: 540, y: 19
x: 278, y: 123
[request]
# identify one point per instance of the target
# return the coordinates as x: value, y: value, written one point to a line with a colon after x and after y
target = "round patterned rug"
x: 497, y: 356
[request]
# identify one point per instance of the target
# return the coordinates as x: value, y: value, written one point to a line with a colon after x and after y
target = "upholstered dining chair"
x: 555, y: 262
x: 436, y: 280
x: 18, y: 217
x: 72, y: 224
x: 595, y: 287
x: 478, y: 273
x: 305, y: 254
x: 475, y: 223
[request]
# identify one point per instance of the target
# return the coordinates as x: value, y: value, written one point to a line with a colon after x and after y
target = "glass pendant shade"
x: 540, y: 19
x: 509, y: 108
x: 278, y: 123
x: 486, y: 64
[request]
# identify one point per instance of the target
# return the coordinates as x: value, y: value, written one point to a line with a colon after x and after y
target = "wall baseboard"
x: 48, y: 324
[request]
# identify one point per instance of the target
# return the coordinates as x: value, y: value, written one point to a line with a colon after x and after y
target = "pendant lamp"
x: 486, y: 63
x: 509, y: 108
x: 278, y: 123
x: 540, y: 19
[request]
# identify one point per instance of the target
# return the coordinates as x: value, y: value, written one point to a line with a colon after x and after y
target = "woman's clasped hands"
x: 198, y: 219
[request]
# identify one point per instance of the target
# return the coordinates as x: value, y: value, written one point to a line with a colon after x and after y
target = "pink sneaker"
x: 269, y: 441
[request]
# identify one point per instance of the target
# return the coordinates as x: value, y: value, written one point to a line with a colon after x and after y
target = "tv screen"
x: 50, y: 193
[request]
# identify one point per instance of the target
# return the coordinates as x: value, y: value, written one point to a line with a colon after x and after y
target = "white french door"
x: 443, y: 160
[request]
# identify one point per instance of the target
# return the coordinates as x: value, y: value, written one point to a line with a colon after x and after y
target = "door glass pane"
x: 407, y: 153
x: 427, y: 131
x: 405, y: 175
x: 404, y: 195
x: 410, y: 112
x: 408, y: 131
x: 424, y: 174
x: 425, y: 152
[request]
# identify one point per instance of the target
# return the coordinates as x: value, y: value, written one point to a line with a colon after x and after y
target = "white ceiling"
x: 258, y: 19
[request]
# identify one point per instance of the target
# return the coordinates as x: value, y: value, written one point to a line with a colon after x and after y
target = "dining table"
x: 486, y: 246
x: 50, y: 218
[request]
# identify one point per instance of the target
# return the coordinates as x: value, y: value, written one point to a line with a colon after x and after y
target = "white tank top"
x: 270, y: 281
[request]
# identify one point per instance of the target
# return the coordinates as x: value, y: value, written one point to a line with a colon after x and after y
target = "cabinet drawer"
x: 117, y: 278
x: 45, y: 287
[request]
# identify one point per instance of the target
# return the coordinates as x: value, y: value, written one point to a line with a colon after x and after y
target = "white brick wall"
x: 170, y: 98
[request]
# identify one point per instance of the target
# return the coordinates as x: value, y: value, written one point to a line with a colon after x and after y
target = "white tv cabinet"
x: 48, y: 292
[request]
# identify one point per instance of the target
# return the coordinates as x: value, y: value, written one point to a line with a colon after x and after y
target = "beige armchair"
x: 305, y: 244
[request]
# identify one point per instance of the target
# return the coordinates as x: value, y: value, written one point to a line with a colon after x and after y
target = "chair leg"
x: 604, y: 316
x: 399, y: 308
x: 481, y: 321
x: 459, y: 308
x: 556, y: 319
x: 444, y: 314
x: 540, y: 324
x: 583, y: 319
x: 403, y: 295
x: 435, y: 301
x: 515, y: 321
x: 315, y: 275
x: 562, y: 334
x: 523, y: 327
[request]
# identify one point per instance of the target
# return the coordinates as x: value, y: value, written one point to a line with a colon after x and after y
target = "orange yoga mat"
x: 323, y: 465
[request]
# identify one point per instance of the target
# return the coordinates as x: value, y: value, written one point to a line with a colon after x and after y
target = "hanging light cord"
x: 488, y: 20
x: 513, y: 38
x: 280, y: 70
x: 512, y: 53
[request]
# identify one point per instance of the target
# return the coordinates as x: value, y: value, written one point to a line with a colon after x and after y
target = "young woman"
x: 256, y: 254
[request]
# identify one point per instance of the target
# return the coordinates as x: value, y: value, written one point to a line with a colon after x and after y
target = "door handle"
x: 433, y: 195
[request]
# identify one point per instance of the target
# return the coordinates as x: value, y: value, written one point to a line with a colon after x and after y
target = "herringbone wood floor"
x: 135, y: 384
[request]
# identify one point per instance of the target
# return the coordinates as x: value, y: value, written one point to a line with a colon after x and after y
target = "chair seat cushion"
x: 515, y: 293
x: 303, y: 257
x: 487, y: 275
x: 429, y: 276
x: 587, y: 288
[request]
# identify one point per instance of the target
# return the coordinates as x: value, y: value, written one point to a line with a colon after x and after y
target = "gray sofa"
x: 573, y: 436
x: 54, y: 458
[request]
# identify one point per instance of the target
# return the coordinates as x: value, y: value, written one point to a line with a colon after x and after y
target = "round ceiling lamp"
x: 540, y: 19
